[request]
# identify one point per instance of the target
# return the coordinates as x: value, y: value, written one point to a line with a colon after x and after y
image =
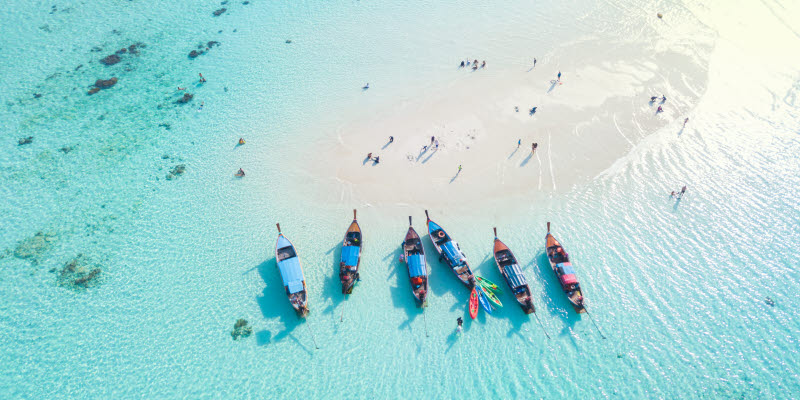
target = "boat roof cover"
x: 350, y: 255
x: 416, y: 265
x: 566, y: 267
x: 292, y: 274
x: 515, y: 276
x: 453, y: 254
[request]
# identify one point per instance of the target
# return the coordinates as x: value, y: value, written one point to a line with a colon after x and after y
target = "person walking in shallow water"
x: 683, y: 190
x: 202, y: 80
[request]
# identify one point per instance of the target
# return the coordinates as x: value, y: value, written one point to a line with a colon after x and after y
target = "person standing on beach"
x: 459, y: 168
x: 534, y: 62
x: 462, y: 65
x: 432, y: 139
x: 391, y: 139
x: 519, y: 142
x: 559, y: 76
x: 683, y: 190
x: 459, y: 323
x: 663, y: 99
x: 685, y: 121
x: 533, y: 147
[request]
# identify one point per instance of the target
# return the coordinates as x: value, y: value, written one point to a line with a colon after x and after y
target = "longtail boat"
x: 565, y: 272
x: 414, y: 257
x: 450, y: 252
x: 511, y: 271
x: 292, y: 274
x: 351, y: 256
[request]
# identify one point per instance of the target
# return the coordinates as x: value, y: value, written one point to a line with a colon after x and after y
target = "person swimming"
x: 240, y: 173
x: 460, y: 324
x: 241, y: 141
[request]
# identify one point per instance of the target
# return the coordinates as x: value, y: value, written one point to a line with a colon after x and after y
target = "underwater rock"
x: 122, y: 51
x: 245, y: 2
x: 133, y: 49
x: 79, y: 274
x: 94, y: 90
x: 105, y: 83
x: 241, y: 329
x: 212, y: 43
x: 165, y: 125
x: 65, y: 149
x: 37, y: 95
x: 111, y: 60
x: 194, y: 53
x: 33, y: 248
x: 288, y: 41
x: 176, y: 171
x: 187, y: 97
x: 220, y: 12
x: 25, y: 140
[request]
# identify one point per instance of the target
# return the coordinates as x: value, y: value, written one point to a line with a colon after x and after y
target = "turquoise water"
x: 678, y: 288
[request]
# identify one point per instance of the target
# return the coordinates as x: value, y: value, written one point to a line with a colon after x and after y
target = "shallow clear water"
x: 677, y: 288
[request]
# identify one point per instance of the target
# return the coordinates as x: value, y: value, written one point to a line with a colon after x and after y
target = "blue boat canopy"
x: 350, y: 255
x: 566, y: 267
x: 453, y: 254
x: 292, y: 274
x: 515, y: 276
x: 416, y: 265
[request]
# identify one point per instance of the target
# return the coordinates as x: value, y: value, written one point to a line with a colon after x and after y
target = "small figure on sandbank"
x: 516, y: 108
x: 483, y: 65
x: 660, y: 110
x: 533, y: 147
x: 663, y: 99
x: 534, y: 62
x: 365, y: 87
x: 533, y: 111
x: 432, y: 139
x: 683, y: 190
x: 559, y: 76
x: 391, y: 139
x: 369, y: 156
x: 240, y: 173
x: 672, y: 195
x: 519, y: 142
x: 462, y: 65
x: 685, y: 121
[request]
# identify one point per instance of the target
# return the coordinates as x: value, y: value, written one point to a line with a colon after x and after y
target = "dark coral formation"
x: 33, y: 248
x: 241, y: 329
x: 79, y: 274
x: 203, y: 48
x: 176, y: 171
x: 102, y: 84
x: 25, y: 140
x: 111, y: 60
x: 187, y: 97
x: 220, y: 12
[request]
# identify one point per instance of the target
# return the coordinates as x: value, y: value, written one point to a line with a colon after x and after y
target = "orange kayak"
x: 473, y: 303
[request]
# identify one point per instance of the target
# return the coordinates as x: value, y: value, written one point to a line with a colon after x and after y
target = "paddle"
x: 595, y: 324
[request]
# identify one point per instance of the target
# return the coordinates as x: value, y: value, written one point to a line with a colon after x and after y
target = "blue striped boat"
x: 414, y: 257
x: 351, y: 256
x: 450, y: 253
x: 292, y: 274
x: 511, y: 271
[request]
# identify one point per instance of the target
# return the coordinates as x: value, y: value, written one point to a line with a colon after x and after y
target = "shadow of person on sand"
x: 430, y: 155
x: 386, y: 145
x: 455, y: 176
x: 366, y: 159
x: 677, y: 203
x: 422, y: 152
x: 274, y: 303
x: 553, y: 84
x: 513, y: 152
x: 525, y: 161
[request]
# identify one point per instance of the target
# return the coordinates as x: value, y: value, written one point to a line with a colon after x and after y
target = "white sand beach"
x: 599, y: 112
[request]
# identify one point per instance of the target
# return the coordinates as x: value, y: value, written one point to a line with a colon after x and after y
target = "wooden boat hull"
x: 414, y: 257
x: 522, y: 292
x: 572, y: 290
x: 292, y: 271
x: 350, y: 259
x: 440, y: 238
